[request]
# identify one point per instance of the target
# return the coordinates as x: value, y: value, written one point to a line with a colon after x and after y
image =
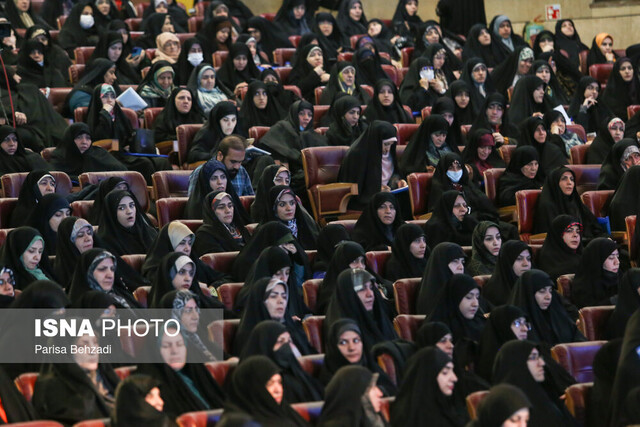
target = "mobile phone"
x: 136, y: 51
x: 427, y: 73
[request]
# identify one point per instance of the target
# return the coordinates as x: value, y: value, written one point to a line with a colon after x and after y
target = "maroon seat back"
x: 377, y: 261
x: 185, y: 134
x: 506, y: 151
x: 586, y: 176
x: 491, y: 177
x: 310, y: 293
x: 221, y: 261
x: 419, y: 188
x: 405, y: 292
x: 227, y: 293
x: 220, y: 370
x: 150, y: 115
x: 630, y: 223
x: 407, y: 325
x: 170, y: 183
x: 169, y: 209
x: 577, y: 358
x: 593, y: 321
x: 577, y: 398
x: 597, y: 200
x: 223, y: 332
x: 405, y: 132
x: 12, y: 183
x: 526, y: 202
x: 601, y: 73
x: 473, y: 400
x: 313, y: 327
x: 137, y: 183
x: 25, y: 383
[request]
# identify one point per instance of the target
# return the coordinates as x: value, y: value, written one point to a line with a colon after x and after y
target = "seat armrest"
x: 333, y: 198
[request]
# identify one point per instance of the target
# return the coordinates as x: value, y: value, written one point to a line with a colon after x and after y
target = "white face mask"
x: 195, y: 58
x: 86, y: 21
x: 454, y: 175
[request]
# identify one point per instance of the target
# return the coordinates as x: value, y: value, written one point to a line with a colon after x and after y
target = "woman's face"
x: 530, y: 170
x: 446, y: 344
x: 505, y: 29
x: 456, y: 266
x: 110, y: 76
x: 167, y: 27
x: 173, y: 350
x: 36, y: 55
x: 283, y: 339
x: 567, y: 183
x: 124, y: 33
x: 224, y: 210
x: 240, y: 62
x: 274, y: 387
x: 479, y: 74
x: 304, y: 118
x: 276, y: 302
x: 562, y: 126
x: 447, y: 379
x: 387, y: 213
x: 46, y: 185
x: 208, y: 80
x: 10, y: 145
x: 358, y: 263
x: 438, y: 138
x: 315, y: 58
x: 326, y: 28
x: 195, y: 48
x: 58, y: 216
x: 571, y: 237
x: 374, y: 29
x: 286, y: 207
x: 535, y: 363
x: 31, y: 257
x: 626, y: 71
x: 411, y: 7
x: 385, y: 96
x: 386, y: 147
x: 483, y: 152
x: 367, y: 296
x: 171, y: 47
x: 355, y: 12
x: 544, y: 74
x: 546, y: 45
x: 432, y: 36
x: 183, y: 101
x: 84, y: 239
x: 154, y: 399
x: 349, y: 76
x: 493, y: 240
x: 543, y: 297
x: 592, y: 90
x: 283, y: 178
x: 352, y: 116
x: 183, y: 278
x: 484, y: 37
x: 567, y: 29
x: 519, y: 419
x: 438, y: 59
x: 223, y: 35
x: 6, y: 284
x: 469, y: 304
x: 260, y: 99
x: 282, y: 274
x: 87, y: 361
x: 350, y: 346
x: 165, y: 80
x: 87, y: 10
x: 538, y: 95
x: 22, y: 5
x: 606, y: 46
x: 460, y: 208
x: 418, y: 247
x: 190, y: 316
x: 522, y: 263
x: 104, y: 273
x: 612, y: 263
x: 462, y: 99
x: 298, y: 11
x: 520, y: 328
x: 83, y: 142
x: 126, y: 212
x: 184, y: 246
x: 494, y: 113
x: 228, y: 124
x: 114, y: 51
x: 617, y: 131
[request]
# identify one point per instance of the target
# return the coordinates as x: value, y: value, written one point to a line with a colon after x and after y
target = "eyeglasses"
x: 519, y: 323
x: 7, y: 282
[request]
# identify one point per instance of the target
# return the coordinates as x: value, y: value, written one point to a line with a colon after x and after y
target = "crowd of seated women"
x: 486, y: 301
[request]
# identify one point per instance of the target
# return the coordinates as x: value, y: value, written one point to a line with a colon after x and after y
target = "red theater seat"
x: 632, y: 110
x: 137, y: 183
x: 12, y: 183
x: 593, y: 321
x: 577, y: 358
x: 75, y: 73
x: 283, y: 55
x: 310, y: 293
x: 135, y: 261
x: 295, y: 40
x: 377, y: 261
x: 630, y: 223
x: 83, y: 53
x: 506, y: 151
x: 219, y: 57
x: 200, y: 418
x: 169, y: 209
x: 405, y: 132
x: 58, y: 96
x: 407, y: 53
x: 283, y: 74
x: 170, y: 184
x: 194, y: 23
x: 577, y: 399
x: 586, y: 176
x: 185, y: 134
x: 123, y: 372
x: 150, y: 115
x: 257, y: 132
x: 596, y: 200
x: 526, y: 201
x: 227, y: 293
x: 601, y: 73
x: 348, y: 224
x: 578, y: 154
x: 104, y: 422
x: 473, y: 400
x: 25, y: 383
x: 141, y: 294
x: 221, y: 261
x: 405, y: 292
x: 407, y: 325
x: 220, y: 370
x: 223, y: 332
x: 40, y: 423
x: 312, y: 364
x: 313, y: 327
x: 426, y: 112
x: 419, y: 188
x: 578, y: 130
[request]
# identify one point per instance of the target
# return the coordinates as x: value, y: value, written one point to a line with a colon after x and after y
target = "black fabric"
x: 39, y: 218
x: 452, y: 19
x: 164, y: 127
x: 505, y: 128
x: 17, y: 242
x: 411, y: 92
x: 470, y: 155
x: 370, y: 231
x: 228, y: 73
x: 394, y: 113
x: 333, y: 43
x: 298, y: 385
x: 604, y: 372
x: 283, y: 97
x: 504, y: 73
x: 72, y: 34
x: 611, y: 172
x: 495, y: 334
x: 248, y: 396
x: 328, y: 239
x: 499, y: 286
x: 12, y: 14
x: 272, y: 35
x: 256, y: 312
x: 213, y: 236
x: 403, y: 264
x: 131, y: 406
x: 334, y: 86
x: 303, y: 74
x: 552, y: 153
x: 551, y: 326
x: 553, y: 90
x: 477, y: 100
x: 436, y: 275
x: 595, y: 55
x: 618, y: 94
x: 192, y: 80
x: 344, y: 254
x: 553, y: 202
x: 68, y: 158
x: 152, y: 27
x: 482, y: 261
x: 55, y: 55
x: 624, y: 203
x: 502, y: 402
x: 251, y: 115
x: 125, y: 73
x: 462, y: 116
x: 109, y: 125
x: 443, y: 226
x: 420, y: 150
x: 340, y: 132
x: 149, y: 88
x: 177, y: 13
x: 523, y: 104
x: 511, y: 368
x: 307, y: 228
x: 628, y: 302
x: 473, y: 47
x: 207, y: 36
x: 592, y: 284
x: 333, y: 357
x: 445, y: 105
x: 105, y: 187
x: 183, y: 67
x: 21, y: 160
x: 83, y: 282
x: 205, y: 142
x: 406, y: 25
x: 348, y: 26
x: 447, y: 311
x: 31, y: 72
x: 194, y: 207
x: 124, y: 240
x: 420, y: 400
x: 362, y: 164
x: 366, y: 61
x: 28, y: 198
x: 594, y: 117
x: 93, y: 75
x: 375, y: 325
x: 572, y: 45
x: 501, y: 51
x: 260, y: 208
x: 555, y: 257
x: 423, y: 44
x: 64, y: 392
x: 286, y: 20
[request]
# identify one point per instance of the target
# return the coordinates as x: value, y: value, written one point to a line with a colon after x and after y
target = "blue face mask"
x: 454, y: 175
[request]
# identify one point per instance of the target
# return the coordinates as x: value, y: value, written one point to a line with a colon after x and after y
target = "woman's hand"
x: 589, y: 102
x: 498, y: 138
x: 21, y: 118
x: 239, y: 87
x: 134, y: 61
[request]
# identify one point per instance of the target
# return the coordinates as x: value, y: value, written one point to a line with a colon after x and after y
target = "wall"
x: 621, y: 21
